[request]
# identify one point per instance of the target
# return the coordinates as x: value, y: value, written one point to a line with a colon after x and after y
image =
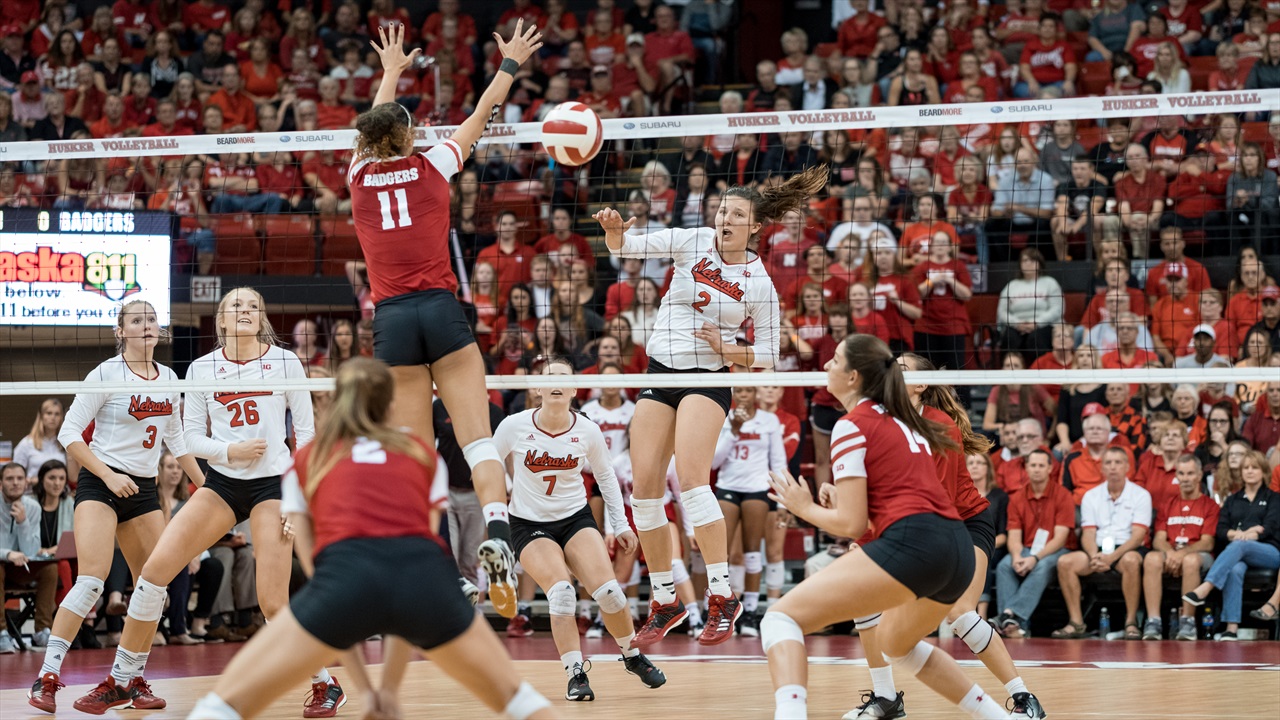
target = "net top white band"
x: 1200, y: 103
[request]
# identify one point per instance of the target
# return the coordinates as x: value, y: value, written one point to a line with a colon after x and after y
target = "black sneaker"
x: 1025, y: 707
x: 579, y: 690
x: 648, y: 673
x: 874, y: 707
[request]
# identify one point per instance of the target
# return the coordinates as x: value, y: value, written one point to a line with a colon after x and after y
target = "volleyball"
x: 572, y: 133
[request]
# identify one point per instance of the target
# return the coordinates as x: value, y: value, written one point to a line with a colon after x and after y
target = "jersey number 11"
x: 402, y: 206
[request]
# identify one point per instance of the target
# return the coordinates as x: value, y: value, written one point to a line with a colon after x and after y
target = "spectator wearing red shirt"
x: 204, y: 16
x: 1010, y: 403
x: 559, y: 29
x: 857, y: 35
x: 1082, y: 468
x: 259, y: 74
x: 521, y: 10
x: 166, y: 123
x: 784, y: 246
x: 1127, y: 355
x: 102, y: 28
x: 1061, y: 356
x: 1230, y: 74
x: 971, y: 76
x: 1173, y: 248
x: 833, y: 288
x: 925, y: 224
x: 622, y: 293
x: 1144, y: 49
x: 945, y: 286
x: 278, y: 175
x: 562, y: 235
x: 1116, y: 274
x: 230, y: 179
x: 1245, y: 307
x: 605, y: 43
x: 512, y: 259
x: 384, y: 14
x: 668, y: 46
x: 326, y: 175
x: 331, y: 112
x: 239, y: 114
x: 447, y: 10
x: 1019, y: 26
x: 1046, y: 61
x: 893, y: 293
x: 766, y: 91
x: 1262, y: 429
x: 86, y: 99
x: 1173, y: 314
x: 450, y: 42
x: 113, y: 123
x: 1141, y: 193
x: 601, y: 98
x: 1185, y: 23
x: 301, y: 35
x: 1186, y: 524
x: 862, y: 313
x: 1011, y: 476
x: 139, y: 106
x: 131, y: 18
x: 1157, y: 468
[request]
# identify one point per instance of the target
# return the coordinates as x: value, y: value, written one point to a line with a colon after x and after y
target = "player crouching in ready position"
x: 553, y: 532
x: 377, y: 565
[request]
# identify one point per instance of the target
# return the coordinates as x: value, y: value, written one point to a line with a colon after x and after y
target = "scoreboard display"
x: 78, y: 267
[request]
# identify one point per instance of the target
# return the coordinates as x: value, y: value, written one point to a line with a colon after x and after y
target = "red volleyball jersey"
x: 1185, y: 521
x: 952, y: 470
x: 902, y: 478
x: 401, y: 212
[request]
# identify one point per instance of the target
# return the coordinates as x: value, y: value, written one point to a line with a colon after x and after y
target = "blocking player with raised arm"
x: 116, y: 496
x: 718, y: 282
x: 913, y: 572
x: 374, y: 565
x: 553, y: 531
x: 400, y: 205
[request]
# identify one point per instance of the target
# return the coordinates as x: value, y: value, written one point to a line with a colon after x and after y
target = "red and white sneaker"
x: 519, y: 626
x: 662, y: 618
x: 43, y: 692
x: 722, y: 615
x: 104, y: 697
x: 143, y: 698
x: 325, y: 700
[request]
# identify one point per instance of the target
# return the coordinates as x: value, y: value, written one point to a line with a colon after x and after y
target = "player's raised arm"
x: 524, y: 42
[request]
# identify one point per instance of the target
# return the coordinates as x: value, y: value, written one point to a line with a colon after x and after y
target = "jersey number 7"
x: 550, y: 480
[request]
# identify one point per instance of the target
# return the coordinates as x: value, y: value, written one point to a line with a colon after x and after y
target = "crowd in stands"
x: 889, y: 249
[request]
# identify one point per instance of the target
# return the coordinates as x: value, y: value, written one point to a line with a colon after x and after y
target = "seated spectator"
x: 1269, y: 318
x: 969, y: 206
x: 858, y: 35
x: 655, y: 181
x: 1169, y: 145
x: 1061, y: 355
x: 112, y: 124
x: 1059, y: 150
x: 1023, y: 204
x: 1171, y: 317
x: 554, y: 244
x: 863, y: 224
x: 913, y: 86
x: 1128, y: 425
x: 1265, y: 73
x: 1082, y: 466
x: 690, y: 199
x: 1115, y: 27
x: 1140, y: 195
x: 945, y: 286
x: 509, y: 256
x: 19, y: 546
x: 1186, y: 524
x: 487, y: 302
x: 331, y: 112
x: 260, y: 74
x: 278, y: 175
x: 1041, y: 524
x: 1245, y: 538
x: 1218, y: 432
x: 1115, y: 518
x: 57, y: 124
x: 41, y: 444
x: 1128, y: 354
x: 1009, y: 403
x: 325, y: 176
x: 792, y: 155
x: 814, y: 91
x: 642, y: 311
x: 865, y: 318
x: 1073, y: 399
x: 1012, y: 476
x: 1219, y: 335
x: 208, y: 64
x: 795, y: 50
x: 669, y: 47
x: 1078, y: 208
x: 177, y: 194
x: 1252, y: 199
x: 1169, y: 70
x: 1046, y: 61
x: 1256, y: 353
x: 1157, y: 469
x: 578, y: 324
x: 893, y: 292
x: 234, y: 186
x: 1245, y: 307
x: 1160, y: 278
x: 831, y: 288
x: 239, y: 113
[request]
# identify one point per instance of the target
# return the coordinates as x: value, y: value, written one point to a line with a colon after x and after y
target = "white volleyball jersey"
x: 547, y: 469
x: 128, y: 427
x: 745, y: 459
x: 613, y: 423
x: 704, y: 288
x: 214, y: 421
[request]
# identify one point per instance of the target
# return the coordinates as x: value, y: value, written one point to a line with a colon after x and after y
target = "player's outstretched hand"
x: 392, y: 49
x: 611, y: 221
x: 523, y: 42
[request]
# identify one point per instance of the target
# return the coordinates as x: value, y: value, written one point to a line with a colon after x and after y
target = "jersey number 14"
x: 401, y: 205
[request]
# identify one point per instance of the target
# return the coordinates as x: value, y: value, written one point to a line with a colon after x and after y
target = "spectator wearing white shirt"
x: 1030, y: 305
x: 41, y: 444
x: 19, y: 545
x: 862, y: 226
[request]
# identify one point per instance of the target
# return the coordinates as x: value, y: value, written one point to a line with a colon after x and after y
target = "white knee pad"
x: 212, y: 707
x: 679, y: 573
x: 866, y: 623
x: 610, y: 597
x: 481, y: 450
x: 524, y: 703
x: 83, y: 595
x: 753, y: 562
x: 649, y: 513
x: 147, y: 602
x: 776, y: 627
x: 701, y: 506
x: 913, y: 661
x: 697, y: 564
x: 775, y: 574
x: 973, y: 631
x: 562, y: 599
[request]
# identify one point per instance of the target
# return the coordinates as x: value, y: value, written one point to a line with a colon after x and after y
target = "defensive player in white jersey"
x: 552, y: 530
x: 749, y: 448
x: 243, y: 435
x: 116, y: 498
x: 612, y: 411
x: 718, y: 282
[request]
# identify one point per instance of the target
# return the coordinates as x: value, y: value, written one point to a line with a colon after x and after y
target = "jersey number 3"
x: 401, y: 203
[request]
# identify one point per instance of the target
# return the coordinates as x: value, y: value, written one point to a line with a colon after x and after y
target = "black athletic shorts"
x: 931, y: 555
x: 419, y: 328
x: 672, y: 396
x: 242, y: 496
x: 524, y: 531
x: 406, y: 586
x: 982, y: 529
x: 91, y: 488
x: 824, y: 419
x: 737, y: 498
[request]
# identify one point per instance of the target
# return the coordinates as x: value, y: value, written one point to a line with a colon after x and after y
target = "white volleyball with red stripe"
x: 572, y: 133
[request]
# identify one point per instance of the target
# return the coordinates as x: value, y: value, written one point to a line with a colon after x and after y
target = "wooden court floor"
x: 739, y: 688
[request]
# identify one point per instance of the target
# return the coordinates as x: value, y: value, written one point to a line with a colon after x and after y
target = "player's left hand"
x: 793, y: 495
x: 710, y: 334
x: 524, y: 42
x: 627, y: 541
x: 286, y: 527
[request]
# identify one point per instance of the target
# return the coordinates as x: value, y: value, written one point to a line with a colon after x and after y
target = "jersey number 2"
x: 248, y: 415
x: 703, y: 300
x: 402, y: 206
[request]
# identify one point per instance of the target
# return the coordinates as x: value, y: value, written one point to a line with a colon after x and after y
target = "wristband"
x: 509, y: 66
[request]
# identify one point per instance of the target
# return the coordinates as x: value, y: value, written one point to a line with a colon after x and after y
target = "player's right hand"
x: 246, y: 451
x: 120, y: 485
x: 611, y: 221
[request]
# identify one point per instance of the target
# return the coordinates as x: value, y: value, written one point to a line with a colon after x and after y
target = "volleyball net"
x: 1137, y: 210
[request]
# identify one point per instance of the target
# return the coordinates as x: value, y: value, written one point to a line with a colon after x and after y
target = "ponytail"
x: 943, y: 397
x: 883, y: 383
x: 792, y: 194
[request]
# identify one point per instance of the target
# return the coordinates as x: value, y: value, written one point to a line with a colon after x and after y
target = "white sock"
x: 1015, y: 686
x: 790, y: 703
x: 981, y: 705
x: 128, y: 665
x: 624, y: 644
x: 634, y: 605
x: 212, y: 707
x: 322, y: 677
x: 695, y: 613
x: 569, y: 660
x: 882, y: 682
x: 664, y: 587
x: 737, y: 578
x: 718, y: 579
x: 750, y: 601
x: 54, y: 654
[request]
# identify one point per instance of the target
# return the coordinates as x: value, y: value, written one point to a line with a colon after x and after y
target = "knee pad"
x: 212, y: 707
x: 776, y: 627
x: 753, y: 562
x: 481, y: 450
x: 610, y: 597
x: 737, y: 578
x: 147, y: 602
x: 649, y: 513
x: 697, y: 563
x: 562, y: 599
x: 701, y: 506
x: 913, y: 661
x: 775, y: 574
x: 83, y: 595
x: 973, y: 631
x: 524, y: 703
x: 679, y: 573
x: 866, y: 623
